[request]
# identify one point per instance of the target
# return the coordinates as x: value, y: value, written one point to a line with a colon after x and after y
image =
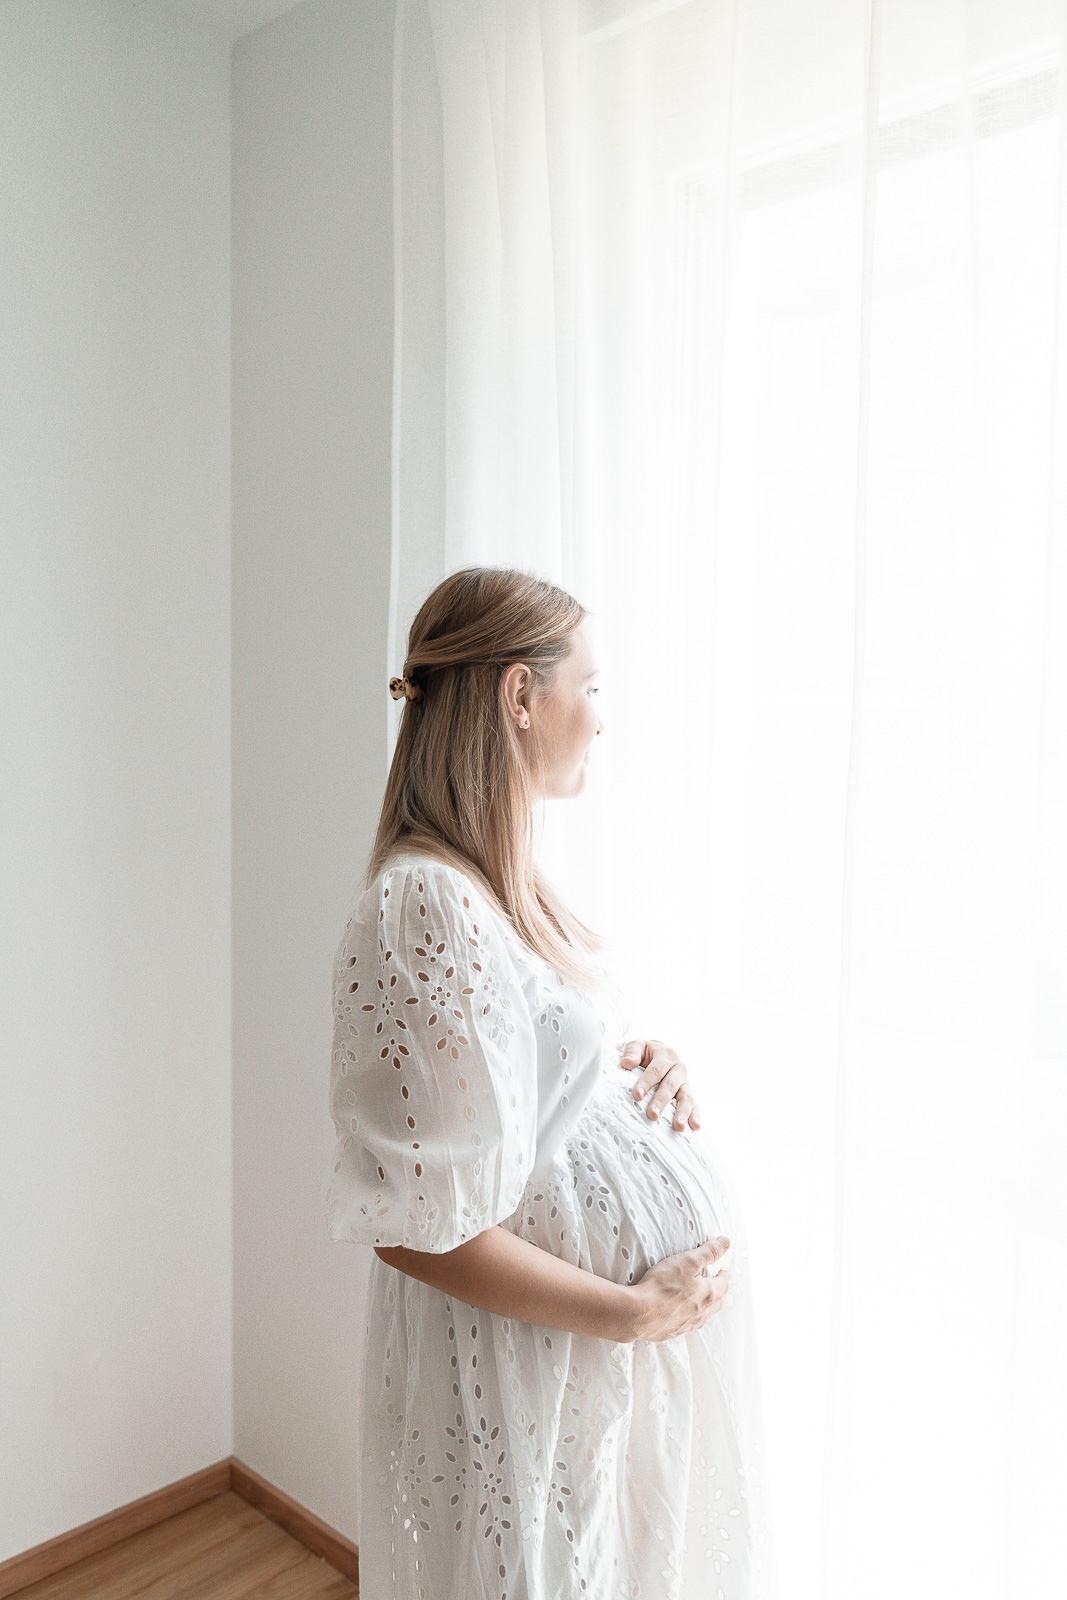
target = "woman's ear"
x: 516, y: 686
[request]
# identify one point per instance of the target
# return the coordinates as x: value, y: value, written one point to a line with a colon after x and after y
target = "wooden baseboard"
x: 44, y: 1559
x: 303, y: 1525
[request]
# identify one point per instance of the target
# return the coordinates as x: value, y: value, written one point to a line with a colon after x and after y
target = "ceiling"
x: 230, y: 18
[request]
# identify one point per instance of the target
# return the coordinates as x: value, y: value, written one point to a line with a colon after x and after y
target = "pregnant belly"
x: 623, y: 1191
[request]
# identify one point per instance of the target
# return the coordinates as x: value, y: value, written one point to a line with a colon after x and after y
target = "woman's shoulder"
x: 422, y: 867
x: 413, y: 888
x: 452, y: 888
x: 453, y: 895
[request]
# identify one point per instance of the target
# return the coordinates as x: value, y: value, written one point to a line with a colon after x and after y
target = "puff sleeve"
x: 433, y: 1082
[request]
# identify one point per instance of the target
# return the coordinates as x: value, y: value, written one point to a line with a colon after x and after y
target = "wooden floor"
x: 223, y: 1549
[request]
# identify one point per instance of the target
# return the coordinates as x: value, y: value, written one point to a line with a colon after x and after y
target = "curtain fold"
x: 745, y: 322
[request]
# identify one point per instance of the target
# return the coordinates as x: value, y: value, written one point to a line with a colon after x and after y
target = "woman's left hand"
x: 663, y: 1067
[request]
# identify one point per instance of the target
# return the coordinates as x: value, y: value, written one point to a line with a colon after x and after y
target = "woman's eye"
x: 595, y: 689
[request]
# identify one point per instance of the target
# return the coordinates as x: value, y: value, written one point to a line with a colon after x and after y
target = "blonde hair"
x: 459, y: 788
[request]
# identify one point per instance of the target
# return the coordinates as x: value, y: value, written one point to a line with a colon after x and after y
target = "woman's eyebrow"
x: 592, y: 674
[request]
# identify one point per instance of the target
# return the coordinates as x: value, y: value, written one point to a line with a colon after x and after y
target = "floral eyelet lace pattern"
x: 471, y: 1086
x: 431, y: 1090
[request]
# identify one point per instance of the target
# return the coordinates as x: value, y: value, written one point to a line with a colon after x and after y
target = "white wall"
x: 115, y: 1235
x: 312, y: 366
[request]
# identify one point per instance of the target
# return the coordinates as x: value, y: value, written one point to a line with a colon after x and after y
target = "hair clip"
x: 401, y: 688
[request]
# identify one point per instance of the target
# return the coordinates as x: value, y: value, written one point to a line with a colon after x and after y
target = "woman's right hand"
x: 674, y: 1297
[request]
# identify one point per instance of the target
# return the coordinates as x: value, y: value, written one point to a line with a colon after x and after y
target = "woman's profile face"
x: 564, y: 721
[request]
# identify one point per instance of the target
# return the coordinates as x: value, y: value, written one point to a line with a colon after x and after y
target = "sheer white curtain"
x: 745, y: 322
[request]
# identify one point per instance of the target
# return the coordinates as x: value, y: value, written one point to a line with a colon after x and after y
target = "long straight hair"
x: 462, y: 786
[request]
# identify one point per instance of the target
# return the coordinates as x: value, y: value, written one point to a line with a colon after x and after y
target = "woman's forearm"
x: 498, y: 1272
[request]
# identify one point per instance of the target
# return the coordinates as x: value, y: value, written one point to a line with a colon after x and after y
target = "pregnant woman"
x: 559, y: 1393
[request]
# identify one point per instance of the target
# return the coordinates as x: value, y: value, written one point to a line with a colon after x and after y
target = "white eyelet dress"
x: 470, y: 1086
